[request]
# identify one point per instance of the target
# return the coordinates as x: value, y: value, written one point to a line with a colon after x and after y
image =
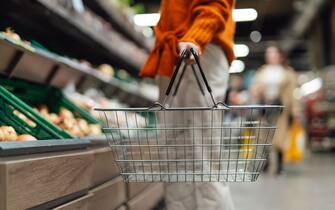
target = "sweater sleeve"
x: 208, y: 18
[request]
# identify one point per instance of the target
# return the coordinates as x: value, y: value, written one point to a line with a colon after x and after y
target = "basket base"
x: 169, y: 178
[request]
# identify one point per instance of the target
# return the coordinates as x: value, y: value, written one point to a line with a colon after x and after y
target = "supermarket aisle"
x: 307, y: 187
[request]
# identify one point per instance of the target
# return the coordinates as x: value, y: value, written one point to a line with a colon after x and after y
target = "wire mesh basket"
x: 190, y: 144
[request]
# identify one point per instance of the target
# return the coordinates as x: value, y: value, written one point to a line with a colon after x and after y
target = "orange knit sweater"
x: 197, y: 21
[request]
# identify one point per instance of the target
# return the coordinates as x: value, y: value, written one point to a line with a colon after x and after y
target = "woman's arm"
x: 208, y: 18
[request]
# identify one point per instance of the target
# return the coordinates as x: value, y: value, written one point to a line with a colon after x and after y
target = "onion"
x: 26, y: 137
x: 75, y: 131
x: 9, y: 32
x: 83, y: 125
x: 9, y: 133
x: 95, y: 129
x: 106, y: 69
x: 44, y: 111
x: 65, y: 113
x: 54, y: 118
x: 2, y: 135
x: 69, y: 123
x: 24, y: 118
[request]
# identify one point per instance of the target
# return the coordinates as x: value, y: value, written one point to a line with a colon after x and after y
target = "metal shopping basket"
x: 190, y: 144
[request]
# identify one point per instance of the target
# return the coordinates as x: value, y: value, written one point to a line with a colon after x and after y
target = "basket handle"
x: 209, y: 89
x: 183, y: 56
x: 181, y: 76
x: 175, y: 73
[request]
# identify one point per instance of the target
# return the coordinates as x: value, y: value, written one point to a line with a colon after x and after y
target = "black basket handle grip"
x: 173, y: 78
x: 196, y: 78
x: 185, y: 54
x: 197, y: 60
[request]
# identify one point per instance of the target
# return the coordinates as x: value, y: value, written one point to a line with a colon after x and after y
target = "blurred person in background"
x: 207, y: 27
x: 274, y: 84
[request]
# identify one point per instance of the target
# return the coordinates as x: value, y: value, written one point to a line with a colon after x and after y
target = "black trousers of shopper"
x: 279, y: 162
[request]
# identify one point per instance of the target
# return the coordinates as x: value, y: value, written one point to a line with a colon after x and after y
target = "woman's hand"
x: 187, y: 46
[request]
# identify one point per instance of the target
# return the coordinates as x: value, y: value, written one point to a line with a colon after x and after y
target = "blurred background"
x: 93, y: 50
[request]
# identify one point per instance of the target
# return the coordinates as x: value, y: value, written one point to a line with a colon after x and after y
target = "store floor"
x: 310, y: 186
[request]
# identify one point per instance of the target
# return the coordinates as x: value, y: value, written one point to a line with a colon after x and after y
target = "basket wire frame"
x: 190, y: 144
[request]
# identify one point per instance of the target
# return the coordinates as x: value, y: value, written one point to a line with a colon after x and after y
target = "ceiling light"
x: 237, y: 66
x: 241, y: 50
x: 242, y: 15
x: 239, y: 15
x: 150, y: 19
x: 256, y: 36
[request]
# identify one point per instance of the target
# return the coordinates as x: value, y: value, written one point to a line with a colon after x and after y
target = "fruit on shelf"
x: 26, y: 137
x: 85, y: 63
x: 15, y: 38
x: 8, y: 133
x: 24, y: 118
x: 66, y: 120
x: 54, y: 118
x: 65, y: 114
x: 124, y: 75
x: 11, y: 34
x: 106, y: 69
x: 95, y: 129
x: 84, y: 126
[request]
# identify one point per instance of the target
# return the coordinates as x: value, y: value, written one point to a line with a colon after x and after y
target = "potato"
x: 65, y: 113
x: 95, y: 130
x: 9, y: 133
x: 68, y: 123
x: 43, y: 109
x: 24, y: 118
x: 75, y: 131
x: 54, y: 118
x: 83, y: 125
x: 9, y: 32
x: 2, y: 135
x: 26, y: 137
x: 106, y: 69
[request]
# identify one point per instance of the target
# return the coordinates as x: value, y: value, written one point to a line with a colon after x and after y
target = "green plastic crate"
x: 42, y: 129
x: 35, y: 94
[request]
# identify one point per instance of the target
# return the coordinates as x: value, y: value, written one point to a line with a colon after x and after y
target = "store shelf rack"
x: 119, y: 20
x: 80, y: 35
x: 34, y: 147
x: 112, y: 42
x: 48, y: 68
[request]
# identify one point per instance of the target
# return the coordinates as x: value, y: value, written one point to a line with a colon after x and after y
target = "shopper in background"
x: 206, y: 26
x: 274, y: 84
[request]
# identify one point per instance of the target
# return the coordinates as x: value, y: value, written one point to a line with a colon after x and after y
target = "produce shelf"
x: 111, y: 43
x: 48, y: 68
x: 120, y: 22
x: 80, y: 35
x: 32, y: 123
x: 33, y: 147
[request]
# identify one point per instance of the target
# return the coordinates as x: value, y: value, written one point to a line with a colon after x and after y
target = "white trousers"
x: 201, y: 195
